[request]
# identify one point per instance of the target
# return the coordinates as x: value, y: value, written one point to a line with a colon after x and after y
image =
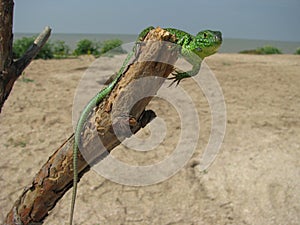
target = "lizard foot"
x: 177, y: 77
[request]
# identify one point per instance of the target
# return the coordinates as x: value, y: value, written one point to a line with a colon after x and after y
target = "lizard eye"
x: 205, y: 35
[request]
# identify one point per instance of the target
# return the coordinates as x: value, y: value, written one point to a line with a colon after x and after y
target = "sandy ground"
x: 254, y: 180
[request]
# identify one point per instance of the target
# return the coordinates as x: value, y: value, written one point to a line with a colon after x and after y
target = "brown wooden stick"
x: 56, y: 176
x: 32, y: 51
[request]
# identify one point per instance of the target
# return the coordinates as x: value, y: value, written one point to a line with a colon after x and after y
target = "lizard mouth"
x: 218, y: 37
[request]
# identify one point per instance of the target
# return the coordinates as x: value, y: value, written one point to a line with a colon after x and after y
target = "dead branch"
x: 10, y: 70
x: 55, y: 177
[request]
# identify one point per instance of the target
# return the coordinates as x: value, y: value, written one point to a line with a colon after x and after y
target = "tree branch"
x: 56, y: 176
x: 10, y: 70
x: 32, y: 51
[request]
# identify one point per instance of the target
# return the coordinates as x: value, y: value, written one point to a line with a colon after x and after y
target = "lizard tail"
x: 75, y: 179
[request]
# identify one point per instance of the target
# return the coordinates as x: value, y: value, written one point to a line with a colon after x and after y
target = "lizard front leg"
x: 178, y: 75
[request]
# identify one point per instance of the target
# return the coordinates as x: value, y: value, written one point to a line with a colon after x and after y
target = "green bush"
x: 112, y: 46
x: 297, y: 51
x: 60, y: 49
x: 86, y: 46
x: 265, y: 50
x: 250, y: 51
x: 21, y: 45
x: 46, y: 52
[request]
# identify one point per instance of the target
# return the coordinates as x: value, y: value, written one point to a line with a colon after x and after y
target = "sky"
x: 246, y: 19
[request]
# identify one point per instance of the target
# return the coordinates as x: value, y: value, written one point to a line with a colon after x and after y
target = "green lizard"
x: 193, y: 49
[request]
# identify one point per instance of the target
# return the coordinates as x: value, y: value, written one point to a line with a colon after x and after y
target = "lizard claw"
x: 177, y: 77
x: 175, y: 80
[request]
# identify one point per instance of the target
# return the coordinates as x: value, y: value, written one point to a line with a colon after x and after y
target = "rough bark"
x: 55, y: 177
x: 10, y: 70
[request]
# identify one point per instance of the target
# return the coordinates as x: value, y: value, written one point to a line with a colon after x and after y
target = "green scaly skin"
x: 193, y: 48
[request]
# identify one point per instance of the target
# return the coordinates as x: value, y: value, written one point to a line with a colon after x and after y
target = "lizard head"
x: 207, y: 42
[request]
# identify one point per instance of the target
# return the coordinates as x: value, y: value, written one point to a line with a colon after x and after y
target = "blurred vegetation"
x: 265, y: 50
x: 87, y: 47
x: 297, y: 51
x: 59, y: 49
x: 113, y: 47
